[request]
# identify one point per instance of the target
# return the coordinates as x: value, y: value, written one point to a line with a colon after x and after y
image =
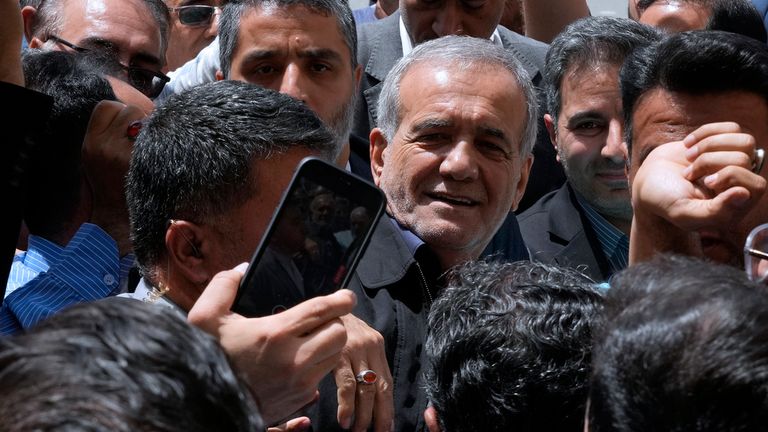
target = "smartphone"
x: 314, y: 240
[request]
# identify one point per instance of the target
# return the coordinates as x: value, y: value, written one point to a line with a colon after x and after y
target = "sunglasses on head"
x: 148, y: 82
x: 195, y: 15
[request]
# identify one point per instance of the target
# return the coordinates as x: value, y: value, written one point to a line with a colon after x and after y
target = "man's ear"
x: 28, y: 15
x: 219, y: 75
x: 525, y: 171
x: 379, y: 146
x: 186, y: 244
x: 549, y: 122
x: 430, y: 418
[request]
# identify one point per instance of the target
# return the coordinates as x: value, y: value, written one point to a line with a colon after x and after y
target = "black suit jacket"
x: 556, y: 231
x: 380, y: 47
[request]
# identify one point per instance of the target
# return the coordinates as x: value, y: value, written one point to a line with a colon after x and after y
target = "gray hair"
x: 229, y: 24
x: 48, y: 19
x: 591, y: 41
x: 463, y: 53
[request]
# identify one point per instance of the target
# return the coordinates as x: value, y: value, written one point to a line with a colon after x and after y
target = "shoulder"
x: 553, y: 220
x: 370, y: 34
x: 529, y: 50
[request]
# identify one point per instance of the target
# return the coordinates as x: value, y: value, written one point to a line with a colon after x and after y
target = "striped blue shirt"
x: 47, y: 278
x: 613, y: 242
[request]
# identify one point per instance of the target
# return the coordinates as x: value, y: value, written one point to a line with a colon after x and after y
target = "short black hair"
x: 120, y: 365
x: 509, y: 345
x: 587, y: 42
x: 695, y: 62
x: 683, y: 349
x: 193, y: 157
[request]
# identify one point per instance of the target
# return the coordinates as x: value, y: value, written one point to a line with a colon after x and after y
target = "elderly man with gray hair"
x: 452, y: 155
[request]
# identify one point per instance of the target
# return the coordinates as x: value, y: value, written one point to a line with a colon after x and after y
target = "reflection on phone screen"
x: 310, y: 248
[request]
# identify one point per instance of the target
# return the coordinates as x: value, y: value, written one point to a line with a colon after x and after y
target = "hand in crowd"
x: 365, y: 403
x: 10, y: 42
x: 106, y: 156
x: 283, y: 356
x: 704, y: 180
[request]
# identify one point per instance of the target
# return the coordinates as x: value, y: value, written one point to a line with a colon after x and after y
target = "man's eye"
x: 492, y: 149
x: 473, y: 4
x: 434, y: 137
x: 589, y: 128
x: 264, y: 69
x: 320, y: 67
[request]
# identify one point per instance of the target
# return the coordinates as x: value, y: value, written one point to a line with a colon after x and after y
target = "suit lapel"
x: 386, y: 51
x: 568, y: 224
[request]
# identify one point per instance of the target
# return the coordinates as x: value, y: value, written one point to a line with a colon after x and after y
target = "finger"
x: 306, y: 316
x: 383, y: 408
x: 710, y: 163
x: 128, y: 115
x: 345, y: 391
x: 324, y: 342
x: 738, y: 142
x: 710, y: 129
x: 299, y: 424
x: 104, y: 114
x: 365, y: 396
x: 732, y: 176
x: 217, y: 298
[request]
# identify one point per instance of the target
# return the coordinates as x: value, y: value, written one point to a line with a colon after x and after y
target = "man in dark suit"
x: 585, y: 224
x: 382, y: 43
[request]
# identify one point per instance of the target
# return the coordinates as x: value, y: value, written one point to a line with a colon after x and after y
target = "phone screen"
x: 314, y: 241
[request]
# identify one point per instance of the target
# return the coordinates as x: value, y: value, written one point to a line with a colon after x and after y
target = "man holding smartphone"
x: 206, y: 173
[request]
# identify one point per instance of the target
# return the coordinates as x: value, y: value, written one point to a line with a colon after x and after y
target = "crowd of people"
x: 575, y: 237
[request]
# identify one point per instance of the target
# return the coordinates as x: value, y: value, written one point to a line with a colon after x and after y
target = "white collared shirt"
x: 405, y: 38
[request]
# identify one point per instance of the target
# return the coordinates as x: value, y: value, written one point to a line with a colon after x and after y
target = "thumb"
x: 216, y: 300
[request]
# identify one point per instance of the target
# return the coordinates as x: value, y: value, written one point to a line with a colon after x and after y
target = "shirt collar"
x: 405, y: 38
x: 143, y: 292
x: 608, y: 235
x: 41, y: 253
x: 411, y: 240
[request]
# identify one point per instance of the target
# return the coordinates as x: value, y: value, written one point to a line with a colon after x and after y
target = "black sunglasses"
x: 195, y: 15
x: 148, y: 82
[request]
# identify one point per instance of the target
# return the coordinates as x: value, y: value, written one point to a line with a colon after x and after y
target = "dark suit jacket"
x: 360, y: 157
x: 379, y: 48
x: 556, y: 230
x: 20, y: 150
x: 394, y: 289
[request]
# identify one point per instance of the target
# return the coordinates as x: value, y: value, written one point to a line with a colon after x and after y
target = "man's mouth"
x: 455, y: 200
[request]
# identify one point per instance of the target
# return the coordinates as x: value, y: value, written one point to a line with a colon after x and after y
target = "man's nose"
x: 460, y: 163
x: 449, y: 20
x: 291, y: 83
x: 614, y: 148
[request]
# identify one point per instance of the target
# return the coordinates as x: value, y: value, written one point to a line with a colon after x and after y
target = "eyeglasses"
x: 756, y: 254
x: 148, y: 82
x: 195, y: 15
